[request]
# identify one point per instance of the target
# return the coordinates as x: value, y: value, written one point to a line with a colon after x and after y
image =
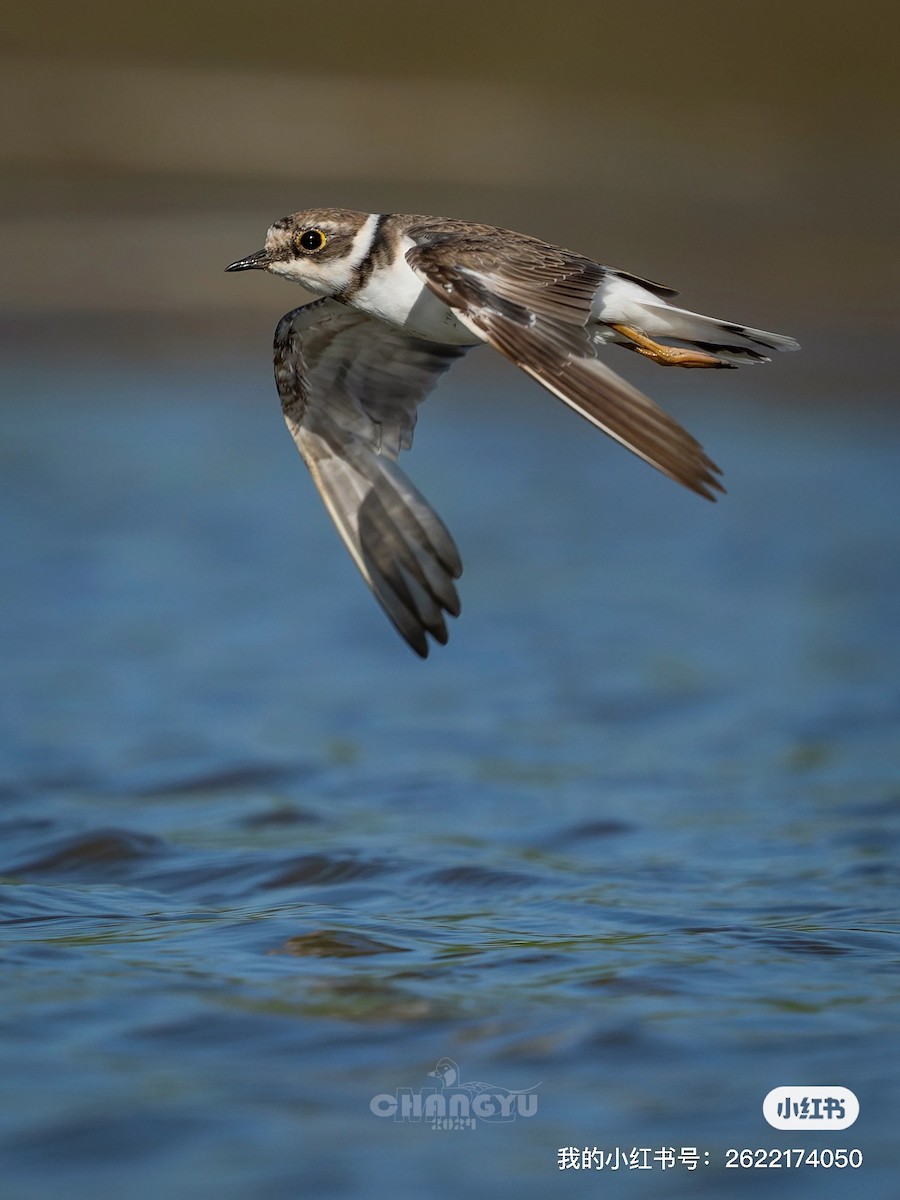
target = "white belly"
x: 399, y: 297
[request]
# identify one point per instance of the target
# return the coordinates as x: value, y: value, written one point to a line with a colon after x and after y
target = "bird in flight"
x: 400, y: 299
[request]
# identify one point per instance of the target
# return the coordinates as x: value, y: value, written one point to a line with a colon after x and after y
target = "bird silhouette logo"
x: 486, y: 1100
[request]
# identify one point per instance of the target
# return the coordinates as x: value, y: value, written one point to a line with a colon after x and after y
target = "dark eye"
x: 311, y: 240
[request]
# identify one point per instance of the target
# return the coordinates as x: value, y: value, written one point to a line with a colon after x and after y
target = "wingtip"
x: 419, y: 643
x: 708, y: 484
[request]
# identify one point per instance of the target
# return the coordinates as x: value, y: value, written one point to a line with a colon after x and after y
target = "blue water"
x: 630, y: 840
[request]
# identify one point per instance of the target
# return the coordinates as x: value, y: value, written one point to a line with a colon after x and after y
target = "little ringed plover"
x: 401, y: 298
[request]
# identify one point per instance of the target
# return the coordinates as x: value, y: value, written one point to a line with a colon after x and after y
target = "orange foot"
x: 667, y: 356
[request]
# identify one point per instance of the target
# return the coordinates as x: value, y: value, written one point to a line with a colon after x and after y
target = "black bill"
x: 258, y: 261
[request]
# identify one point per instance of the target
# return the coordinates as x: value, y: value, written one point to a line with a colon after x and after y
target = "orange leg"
x: 666, y: 356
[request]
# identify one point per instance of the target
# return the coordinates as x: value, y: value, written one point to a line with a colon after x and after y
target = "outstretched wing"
x: 533, y: 305
x: 349, y: 388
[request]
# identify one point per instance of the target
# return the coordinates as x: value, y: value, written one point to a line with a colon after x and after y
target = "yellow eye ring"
x: 310, y: 240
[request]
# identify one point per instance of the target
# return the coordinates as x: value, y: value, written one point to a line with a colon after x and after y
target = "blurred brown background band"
x: 745, y: 153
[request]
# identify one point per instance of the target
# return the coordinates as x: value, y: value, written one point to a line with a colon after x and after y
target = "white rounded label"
x: 802, y: 1107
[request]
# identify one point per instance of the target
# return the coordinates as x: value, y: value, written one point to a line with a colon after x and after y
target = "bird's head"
x: 317, y: 248
x: 446, y: 1070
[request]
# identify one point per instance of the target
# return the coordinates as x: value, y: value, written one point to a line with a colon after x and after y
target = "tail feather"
x: 727, y: 340
x: 624, y: 299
